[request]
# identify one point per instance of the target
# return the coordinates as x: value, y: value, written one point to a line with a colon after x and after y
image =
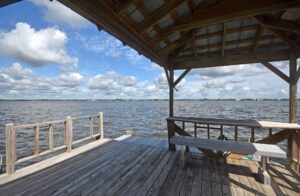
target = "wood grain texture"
x: 144, y: 166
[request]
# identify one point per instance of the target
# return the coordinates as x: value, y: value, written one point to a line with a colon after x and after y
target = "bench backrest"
x: 239, y: 147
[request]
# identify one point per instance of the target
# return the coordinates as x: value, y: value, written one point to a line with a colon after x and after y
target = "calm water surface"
x: 146, y: 118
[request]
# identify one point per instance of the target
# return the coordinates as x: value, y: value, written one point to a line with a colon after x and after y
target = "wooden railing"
x: 11, y: 155
x: 284, y: 131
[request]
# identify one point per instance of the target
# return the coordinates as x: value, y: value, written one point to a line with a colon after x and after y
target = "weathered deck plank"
x: 144, y: 166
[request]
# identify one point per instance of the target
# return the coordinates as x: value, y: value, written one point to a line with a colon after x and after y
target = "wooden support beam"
x: 167, y: 75
x: 229, y: 43
x: 282, y: 24
x: 171, y: 93
x: 298, y: 73
x: 186, y: 38
x: 181, y: 77
x: 276, y: 71
x: 236, y: 59
x: 121, y: 7
x: 224, y: 39
x: 278, y: 33
x: 293, y: 105
x: 293, y: 88
x: 159, y: 14
x: 171, y: 133
x: 164, y: 35
x: 275, y: 138
x: 229, y: 11
x: 258, y: 35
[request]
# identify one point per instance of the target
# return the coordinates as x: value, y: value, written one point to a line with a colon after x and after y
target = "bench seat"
x: 238, y: 147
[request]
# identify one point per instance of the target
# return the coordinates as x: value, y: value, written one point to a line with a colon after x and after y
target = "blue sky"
x: 49, y: 52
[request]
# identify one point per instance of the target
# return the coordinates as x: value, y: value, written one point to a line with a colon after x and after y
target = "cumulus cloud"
x: 70, y: 79
x: 17, y: 79
x: 56, y: 13
x: 36, y: 47
x: 245, y: 70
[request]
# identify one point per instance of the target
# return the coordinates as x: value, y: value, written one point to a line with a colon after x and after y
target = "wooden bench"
x: 244, y: 148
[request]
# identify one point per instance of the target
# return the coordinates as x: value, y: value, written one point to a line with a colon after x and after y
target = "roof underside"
x: 200, y: 33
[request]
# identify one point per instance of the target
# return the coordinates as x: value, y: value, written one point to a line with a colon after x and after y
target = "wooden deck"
x: 145, y: 166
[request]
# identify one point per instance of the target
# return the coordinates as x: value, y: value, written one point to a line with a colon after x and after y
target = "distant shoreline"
x: 92, y: 100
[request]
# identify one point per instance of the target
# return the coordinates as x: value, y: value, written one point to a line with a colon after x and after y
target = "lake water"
x: 145, y: 118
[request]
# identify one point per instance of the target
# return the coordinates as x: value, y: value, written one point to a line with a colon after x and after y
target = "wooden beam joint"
x: 276, y: 71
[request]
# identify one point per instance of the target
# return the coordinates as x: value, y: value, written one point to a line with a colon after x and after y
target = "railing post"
x: 10, y: 149
x: 36, y: 140
x: 235, y: 133
x: 171, y: 133
x: 252, y: 139
x: 51, y: 137
x: 69, y: 133
x: 91, y: 126
x: 208, y: 132
x: 100, y: 126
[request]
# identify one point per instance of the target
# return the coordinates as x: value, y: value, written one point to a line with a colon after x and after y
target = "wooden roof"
x: 200, y: 33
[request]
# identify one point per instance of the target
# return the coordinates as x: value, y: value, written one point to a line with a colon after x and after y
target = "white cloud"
x: 71, y: 79
x: 55, y: 12
x: 36, y: 47
x: 21, y: 82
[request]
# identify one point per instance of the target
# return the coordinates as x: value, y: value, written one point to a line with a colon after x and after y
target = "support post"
x: 36, y: 140
x: 171, y: 92
x: 262, y: 171
x: 252, y: 139
x: 91, y: 126
x: 171, y: 133
x: 10, y: 149
x: 100, y: 125
x: 235, y: 133
x: 69, y: 133
x: 51, y: 137
x: 293, y: 108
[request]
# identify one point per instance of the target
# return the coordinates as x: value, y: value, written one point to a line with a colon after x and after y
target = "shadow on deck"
x: 144, y: 166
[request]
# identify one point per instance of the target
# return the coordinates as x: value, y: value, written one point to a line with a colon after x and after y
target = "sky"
x: 47, y: 51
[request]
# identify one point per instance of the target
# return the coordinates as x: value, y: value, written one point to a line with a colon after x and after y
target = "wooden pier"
x: 145, y: 166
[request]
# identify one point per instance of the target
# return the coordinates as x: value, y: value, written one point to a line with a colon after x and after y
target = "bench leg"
x: 262, y: 171
x: 182, y: 157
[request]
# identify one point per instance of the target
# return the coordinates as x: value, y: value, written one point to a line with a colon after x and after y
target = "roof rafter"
x: 219, y: 45
x: 231, y: 10
x: 232, y: 60
x: 278, y: 33
x: 224, y: 38
x: 233, y: 51
x: 281, y: 24
x: 159, y: 14
x: 121, y: 7
x: 258, y: 35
